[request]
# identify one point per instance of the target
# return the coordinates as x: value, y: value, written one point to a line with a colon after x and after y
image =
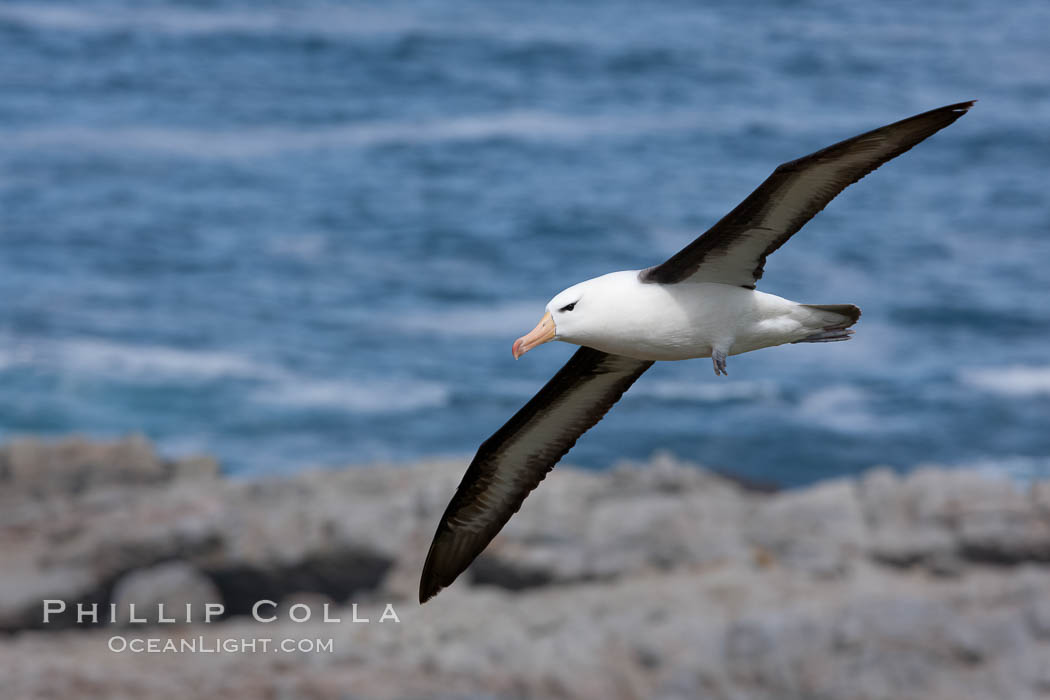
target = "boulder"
x: 33, y: 467
x: 173, y: 585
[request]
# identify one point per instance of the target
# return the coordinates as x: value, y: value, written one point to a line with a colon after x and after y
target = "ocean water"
x: 308, y: 233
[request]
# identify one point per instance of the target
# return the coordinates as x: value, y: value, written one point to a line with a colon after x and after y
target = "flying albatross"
x: 701, y: 302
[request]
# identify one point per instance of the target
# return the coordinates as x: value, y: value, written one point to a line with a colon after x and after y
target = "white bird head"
x: 580, y: 313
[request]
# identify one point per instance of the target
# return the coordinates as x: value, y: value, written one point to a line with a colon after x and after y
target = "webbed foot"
x: 718, y: 358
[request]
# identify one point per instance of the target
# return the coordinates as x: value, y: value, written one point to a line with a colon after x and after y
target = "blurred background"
x: 295, y: 235
x: 307, y: 234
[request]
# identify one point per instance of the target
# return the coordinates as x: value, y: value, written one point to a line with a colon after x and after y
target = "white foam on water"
x: 314, y: 19
x: 144, y: 364
x: 326, y: 21
x: 1016, y: 381
x: 140, y: 362
x: 356, y: 396
x: 700, y: 391
x: 1020, y: 468
x: 15, y: 354
x: 212, y: 144
x: 840, y: 407
x: 508, y: 321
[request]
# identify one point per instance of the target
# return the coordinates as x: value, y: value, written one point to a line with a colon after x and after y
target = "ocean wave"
x: 14, y: 355
x: 696, y: 390
x: 1020, y: 468
x: 841, y: 407
x: 363, y: 396
x: 482, y: 321
x: 267, y: 141
x: 1016, y: 381
x: 317, y: 20
x: 332, y: 21
x: 146, y: 364
x: 138, y: 362
x: 221, y: 144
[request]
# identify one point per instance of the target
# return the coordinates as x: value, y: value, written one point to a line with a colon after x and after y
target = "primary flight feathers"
x: 699, y: 303
x: 734, y: 250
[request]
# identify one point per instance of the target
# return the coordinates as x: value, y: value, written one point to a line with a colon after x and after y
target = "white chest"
x: 684, y: 321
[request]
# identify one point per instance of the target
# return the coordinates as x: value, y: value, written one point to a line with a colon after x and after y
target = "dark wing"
x: 734, y: 250
x: 515, y: 459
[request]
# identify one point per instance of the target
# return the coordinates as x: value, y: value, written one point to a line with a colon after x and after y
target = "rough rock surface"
x: 657, y: 580
x: 161, y: 593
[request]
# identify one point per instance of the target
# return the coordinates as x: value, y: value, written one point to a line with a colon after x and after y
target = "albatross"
x: 701, y: 302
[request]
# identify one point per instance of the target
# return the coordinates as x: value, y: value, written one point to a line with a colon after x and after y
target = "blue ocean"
x: 306, y: 234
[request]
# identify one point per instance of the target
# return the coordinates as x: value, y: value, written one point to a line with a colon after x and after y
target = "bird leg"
x: 718, y: 357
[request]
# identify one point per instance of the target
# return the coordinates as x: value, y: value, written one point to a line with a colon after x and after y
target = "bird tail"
x: 831, y: 322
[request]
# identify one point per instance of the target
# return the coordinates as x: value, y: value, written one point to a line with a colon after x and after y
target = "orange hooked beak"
x: 542, y: 333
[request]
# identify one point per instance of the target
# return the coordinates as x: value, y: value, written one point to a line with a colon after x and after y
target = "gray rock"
x: 667, y: 581
x: 819, y: 530
x: 936, y: 517
x: 194, y: 467
x: 1038, y: 614
x: 75, y: 464
x: 173, y: 585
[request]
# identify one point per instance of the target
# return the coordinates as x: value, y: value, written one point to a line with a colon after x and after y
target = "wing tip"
x: 445, y: 562
x: 431, y: 582
x: 959, y: 108
x: 427, y: 590
x: 949, y: 112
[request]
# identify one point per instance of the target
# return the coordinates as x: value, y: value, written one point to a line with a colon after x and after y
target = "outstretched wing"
x: 734, y: 250
x: 519, y: 455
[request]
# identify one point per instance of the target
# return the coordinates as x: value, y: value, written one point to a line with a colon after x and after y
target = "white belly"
x: 684, y: 321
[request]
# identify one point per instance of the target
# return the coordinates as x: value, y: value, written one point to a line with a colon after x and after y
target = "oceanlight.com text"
x: 219, y: 645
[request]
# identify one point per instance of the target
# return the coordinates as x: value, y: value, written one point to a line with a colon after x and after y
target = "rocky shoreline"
x: 654, y: 580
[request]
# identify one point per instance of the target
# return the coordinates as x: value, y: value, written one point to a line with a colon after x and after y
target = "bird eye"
x: 568, y: 307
